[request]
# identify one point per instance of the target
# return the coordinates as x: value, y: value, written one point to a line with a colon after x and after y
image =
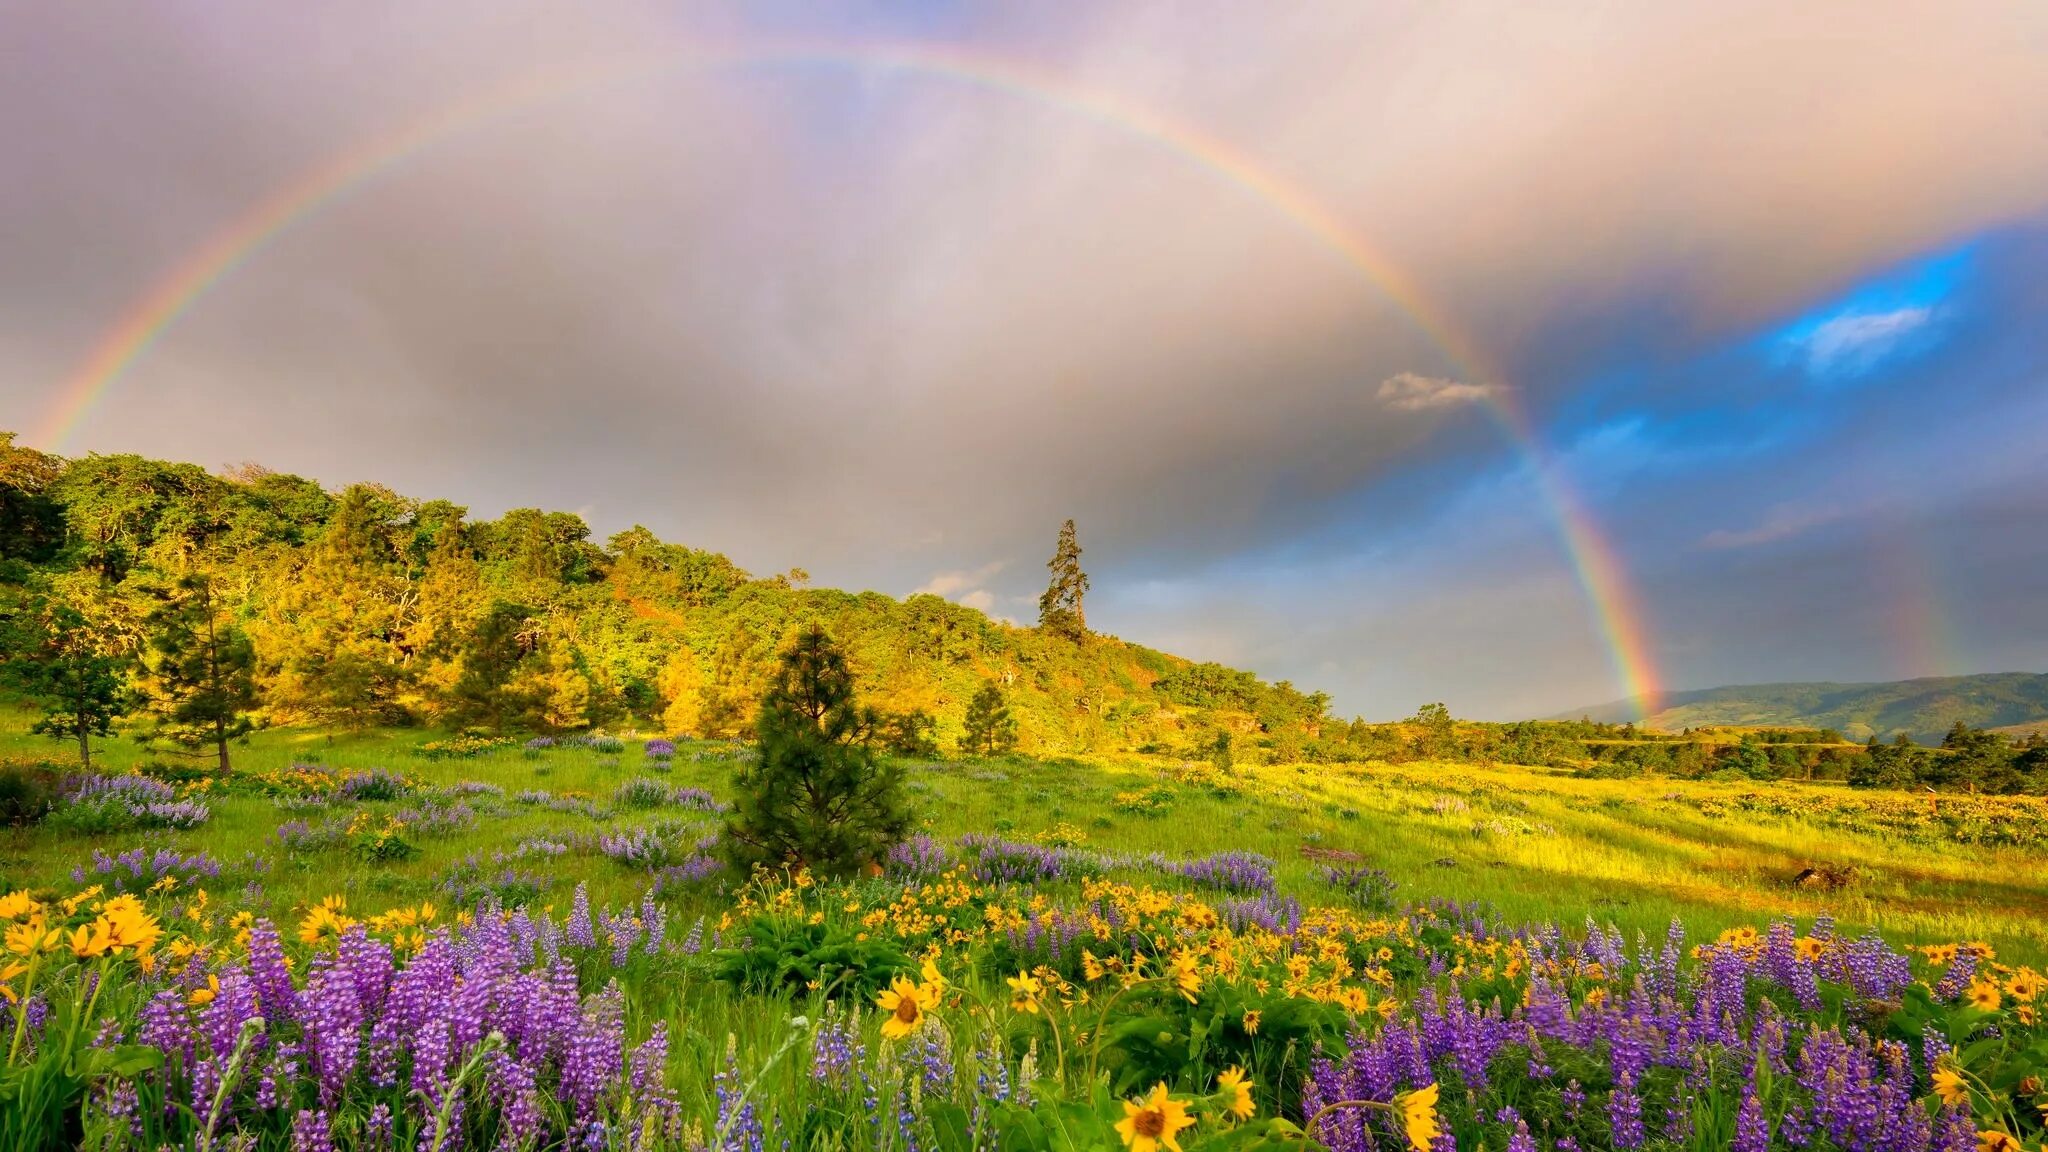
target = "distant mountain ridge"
x: 1923, y: 708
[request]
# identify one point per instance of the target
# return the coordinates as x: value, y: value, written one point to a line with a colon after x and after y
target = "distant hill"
x: 1924, y: 708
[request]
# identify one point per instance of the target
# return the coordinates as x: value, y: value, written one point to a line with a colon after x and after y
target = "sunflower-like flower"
x: 906, y: 1002
x: 7, y: 974
x: 1251, y: 1022
x: 1994, y: 1140
x: 130, y: 925
x: 1809, y: 948
x: 30, y: 937
x: 1025, y: 989
x: 88, y: 941
x: 1186, y: 974
x: 1984, y: 994
x: 1153, y: 1121
x: 1949, y: 1085
x: 201, y: 996
x: 18, y: 905
x: 1418, y: 1117
x: 2024, y: 986
x: 1236, y: 1090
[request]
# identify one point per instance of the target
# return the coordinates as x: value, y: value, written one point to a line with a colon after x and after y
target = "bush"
x: 780, y: 956
x: 28, y: 791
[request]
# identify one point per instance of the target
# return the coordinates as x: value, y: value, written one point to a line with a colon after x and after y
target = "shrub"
x: 27, y: 792
x: 375, y: 784
x: 780, y: 956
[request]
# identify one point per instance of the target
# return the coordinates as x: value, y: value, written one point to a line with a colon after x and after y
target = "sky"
x: 1512, y: 356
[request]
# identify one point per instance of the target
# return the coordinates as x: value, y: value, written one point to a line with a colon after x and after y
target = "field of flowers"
x: 389, y: 941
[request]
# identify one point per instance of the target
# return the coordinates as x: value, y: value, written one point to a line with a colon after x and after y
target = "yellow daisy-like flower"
x: 1251, y: 1022
x: 7, y: 975
x: 2024, y: 986
x: 91, y: 940
x: 906, y: 1002
x: 1025, y: 990
x: 1808, y: 948
x: 1237, y: 1093
x: 18, y: 905
x: 1091, y: 968
x: 1949, y: 1085
x: 131, y: 925
x: 1418, y: 1117
x: 1984, y: 994
x: 1153, y: 1121
x: 932, y: 978
x: 205, y: 995
x: 1993, y: 1140
x: 1186, y: 976
x: 28, y: 937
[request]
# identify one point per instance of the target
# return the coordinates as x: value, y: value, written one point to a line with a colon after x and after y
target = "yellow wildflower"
x: 1949, y: 1085
x: 1153, y: 1121
x: 1237, y: 1091
x: 906, y: 1003
x: 1025, y: 990
x: 1418, y: 1117
x: 1984, y: 994
x: 205, y: 995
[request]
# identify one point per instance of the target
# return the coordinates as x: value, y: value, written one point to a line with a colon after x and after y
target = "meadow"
x: 1069, y: 933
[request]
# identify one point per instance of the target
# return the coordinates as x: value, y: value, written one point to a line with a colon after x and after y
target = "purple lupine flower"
x: 310, y: 1132
x: 580, y: 930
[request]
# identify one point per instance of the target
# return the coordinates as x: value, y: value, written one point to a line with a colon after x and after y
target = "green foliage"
x: 203, y: 672
x: 28, y: 790
x: 908, y: 733
x: 56, y: 661
x: 988, y: 729
x: 775, y: 954
x: 817, y: 796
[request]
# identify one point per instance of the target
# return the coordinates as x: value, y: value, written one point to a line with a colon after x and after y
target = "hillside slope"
x: 1923, y: 708
x: 370, y: 608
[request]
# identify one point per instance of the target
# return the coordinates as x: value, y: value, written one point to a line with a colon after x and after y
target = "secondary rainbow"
x: 1597, y: 567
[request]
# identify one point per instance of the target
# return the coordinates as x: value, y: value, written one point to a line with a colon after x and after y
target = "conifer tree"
x: 818, y: 796
x: 1059, y: 610
x: 990, y: 727
x: 204, y: 670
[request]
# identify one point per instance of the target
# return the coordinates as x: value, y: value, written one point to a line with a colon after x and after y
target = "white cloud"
x: 1781, y: 523
x: 969, y: 588
x: 1850, y: 345
x: 1411, y: 392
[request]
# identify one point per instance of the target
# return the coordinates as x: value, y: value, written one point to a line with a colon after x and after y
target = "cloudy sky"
x: 1414, y: 351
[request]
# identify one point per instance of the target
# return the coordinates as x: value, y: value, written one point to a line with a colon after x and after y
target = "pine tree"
x: 204, y: 669
x: 818, y: 796
x: 990, y: 727
x: 82, y: 690
x: 1059, y: 610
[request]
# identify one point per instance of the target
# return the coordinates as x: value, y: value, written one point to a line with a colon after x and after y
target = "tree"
x: 204, y: 668
x: 81, y: 689
x: 818, y: 796
x: 1438, y: 731
x: 990, y: 727
x: 1059, y: 610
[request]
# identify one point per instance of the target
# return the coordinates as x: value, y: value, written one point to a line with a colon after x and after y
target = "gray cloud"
x: 885, y: 323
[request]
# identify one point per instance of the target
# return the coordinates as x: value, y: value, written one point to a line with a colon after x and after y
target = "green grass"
x: 1535, y: 845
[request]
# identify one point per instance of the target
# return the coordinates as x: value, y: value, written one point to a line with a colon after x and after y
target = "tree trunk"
x: 223, y: 757
x: 84, y: 747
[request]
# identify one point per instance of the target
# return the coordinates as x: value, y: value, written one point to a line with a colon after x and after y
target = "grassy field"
x: 1515, y: 849
x: 1535, y: 844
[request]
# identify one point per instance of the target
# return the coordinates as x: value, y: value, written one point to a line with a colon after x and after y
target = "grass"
x: 1535, y: 844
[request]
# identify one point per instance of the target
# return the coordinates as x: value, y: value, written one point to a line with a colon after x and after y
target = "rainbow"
x: 1596, y: 565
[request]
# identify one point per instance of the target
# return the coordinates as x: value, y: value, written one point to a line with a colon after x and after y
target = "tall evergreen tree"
x: 81, y: 689
x: 1059, y: 610
x: 990, y: 727
x: 818, y: 796
x: 204, y: 669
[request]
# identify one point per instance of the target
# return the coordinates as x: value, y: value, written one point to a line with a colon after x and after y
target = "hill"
x: 1923, y: 708
x: 368, y: 608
